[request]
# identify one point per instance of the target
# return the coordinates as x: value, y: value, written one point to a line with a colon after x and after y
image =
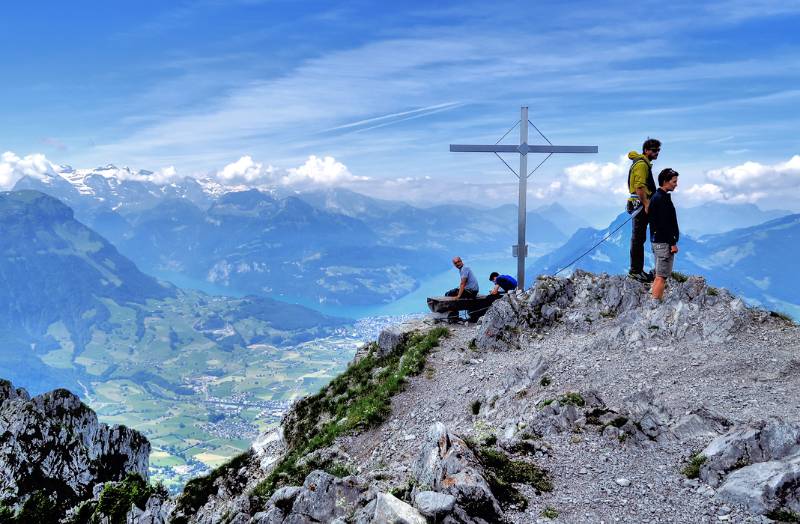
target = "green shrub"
x: 476, y: 407
x: 573, y: 398
x: 692, y: 470
x: 549, y: 512
x: 198, y: 490
x: 39, y: 509
x: 355, y: 400
x: 781, y: 315
x: 784, y: 515
x: 712, y: 291
x: 502, y: 472
x: 680, y: 277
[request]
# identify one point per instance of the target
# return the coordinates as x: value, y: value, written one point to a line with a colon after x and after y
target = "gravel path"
x: 751, y: 376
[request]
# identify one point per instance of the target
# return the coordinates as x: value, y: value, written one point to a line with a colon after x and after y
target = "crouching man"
x: 664, y: 232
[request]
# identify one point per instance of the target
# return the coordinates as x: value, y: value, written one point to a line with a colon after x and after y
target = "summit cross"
x: 521, y: 249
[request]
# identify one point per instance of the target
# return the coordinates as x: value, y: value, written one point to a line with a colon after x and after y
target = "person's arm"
x: 461, y: 287
x: 639, y: 182
x: 495, y: 290
x: 641, y: 192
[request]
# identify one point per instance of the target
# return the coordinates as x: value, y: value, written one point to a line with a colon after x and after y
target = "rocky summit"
x: 54, y: 454
x: 579, y: 400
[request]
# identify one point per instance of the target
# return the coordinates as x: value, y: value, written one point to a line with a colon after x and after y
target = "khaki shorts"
x: 664, y: 259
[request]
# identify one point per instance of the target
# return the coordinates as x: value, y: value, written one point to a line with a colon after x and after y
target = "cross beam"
x: 521, y: 249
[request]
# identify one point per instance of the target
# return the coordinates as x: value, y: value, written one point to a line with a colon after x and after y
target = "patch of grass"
x: 404, y: 492
x: 430, y: 373
x: 473, y: 345
x: 692, y: 469
x: 117, y: 499
x: 355, y: 400
x: 339, y: 469
x: 475, y: 407
x: 784, y: 515
x: 608, y: 313
x: 549, y: 512
x: 545, y: 381
x: 712, y: 291
x: 781, y: 315
x: 198, y: 490
x: 572, y: 397
x: 680, y: 277
x: 546, y: 402
x: 502, y: 472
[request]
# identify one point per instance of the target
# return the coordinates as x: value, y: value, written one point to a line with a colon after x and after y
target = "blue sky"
x: 383, y: 88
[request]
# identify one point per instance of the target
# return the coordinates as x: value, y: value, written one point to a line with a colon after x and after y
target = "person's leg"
x: 663, y: 260
x: 453, y: 292
x: 638, y: 238
x: 469, y: 294
x: 657, y: 290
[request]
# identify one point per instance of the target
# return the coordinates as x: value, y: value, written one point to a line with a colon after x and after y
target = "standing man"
x: 468, y: 287
x: 505, y: 282
x: 641, y: 187
x: 664, y: 232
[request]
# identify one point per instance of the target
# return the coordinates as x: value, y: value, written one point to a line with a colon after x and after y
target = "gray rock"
x: 749, y: 444
x: 432, y: 504
x: 391, y: 510
x: 446, y: 464
x: 764, y: 486
x: 57, y: 437
x: 390, y: 339
x: 325, y: 497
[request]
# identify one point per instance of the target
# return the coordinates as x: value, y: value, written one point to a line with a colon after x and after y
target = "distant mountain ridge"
x: 333, y: 246
x: 756, y: 262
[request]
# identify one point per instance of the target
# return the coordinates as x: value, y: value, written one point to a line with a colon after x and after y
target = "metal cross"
x: 521, y: 249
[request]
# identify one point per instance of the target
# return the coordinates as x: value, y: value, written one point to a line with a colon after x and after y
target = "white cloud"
x: 326, y: 171
x: 747, y: 182
x: 602, y: 179
x: 316, y: 171
x: 246, y: 170
x: 12, y: 168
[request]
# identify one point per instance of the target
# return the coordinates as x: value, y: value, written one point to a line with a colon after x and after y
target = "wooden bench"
x: 475, y: 307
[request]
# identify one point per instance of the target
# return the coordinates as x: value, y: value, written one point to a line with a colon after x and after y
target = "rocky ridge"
x: 54, y: 454
x: 579, y: 400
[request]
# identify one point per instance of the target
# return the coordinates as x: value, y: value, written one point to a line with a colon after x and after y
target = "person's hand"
x: 493, y: 292
x: 673, y: 249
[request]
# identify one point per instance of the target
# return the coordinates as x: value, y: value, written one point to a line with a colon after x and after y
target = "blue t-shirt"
x: 507, y: 282
x: 472, y: 282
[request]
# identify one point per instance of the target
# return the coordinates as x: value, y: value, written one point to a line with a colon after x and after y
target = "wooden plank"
x: 452, y: 304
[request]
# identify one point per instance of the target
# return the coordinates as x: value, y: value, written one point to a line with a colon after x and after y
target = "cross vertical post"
x: 520, y: 250
x: 522, y: 247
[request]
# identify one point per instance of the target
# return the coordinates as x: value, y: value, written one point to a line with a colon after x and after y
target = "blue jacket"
x: 506, y: 282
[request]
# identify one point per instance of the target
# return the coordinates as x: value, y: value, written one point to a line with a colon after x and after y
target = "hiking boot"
x: 651, y: 275
x: 640, y: 277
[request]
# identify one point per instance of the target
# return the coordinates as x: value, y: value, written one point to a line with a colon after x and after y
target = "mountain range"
x: 333, y: 246
x: 754, y: 262
x: 182, y: 366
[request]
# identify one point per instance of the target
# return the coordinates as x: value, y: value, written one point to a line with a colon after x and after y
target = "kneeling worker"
x: 468, y: 285
x: 664, y: 232
x: 506, y: 282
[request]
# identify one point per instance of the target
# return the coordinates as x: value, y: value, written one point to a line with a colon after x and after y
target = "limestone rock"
x: 54, y: 439
x: 446, y: 464
x: 432, y: 504
x: 391, y: 510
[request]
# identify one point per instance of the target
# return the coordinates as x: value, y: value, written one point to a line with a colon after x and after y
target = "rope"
x: 601, y: 241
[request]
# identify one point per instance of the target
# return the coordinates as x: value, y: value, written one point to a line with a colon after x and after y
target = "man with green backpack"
x: 641, y: 187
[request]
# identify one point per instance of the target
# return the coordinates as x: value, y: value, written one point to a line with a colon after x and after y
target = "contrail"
x: 433, y: 109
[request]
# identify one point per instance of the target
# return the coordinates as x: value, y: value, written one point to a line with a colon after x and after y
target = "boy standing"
x: 664, y: 232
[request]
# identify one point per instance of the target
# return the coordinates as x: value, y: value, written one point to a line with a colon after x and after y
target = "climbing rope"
x: 600, y: 242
